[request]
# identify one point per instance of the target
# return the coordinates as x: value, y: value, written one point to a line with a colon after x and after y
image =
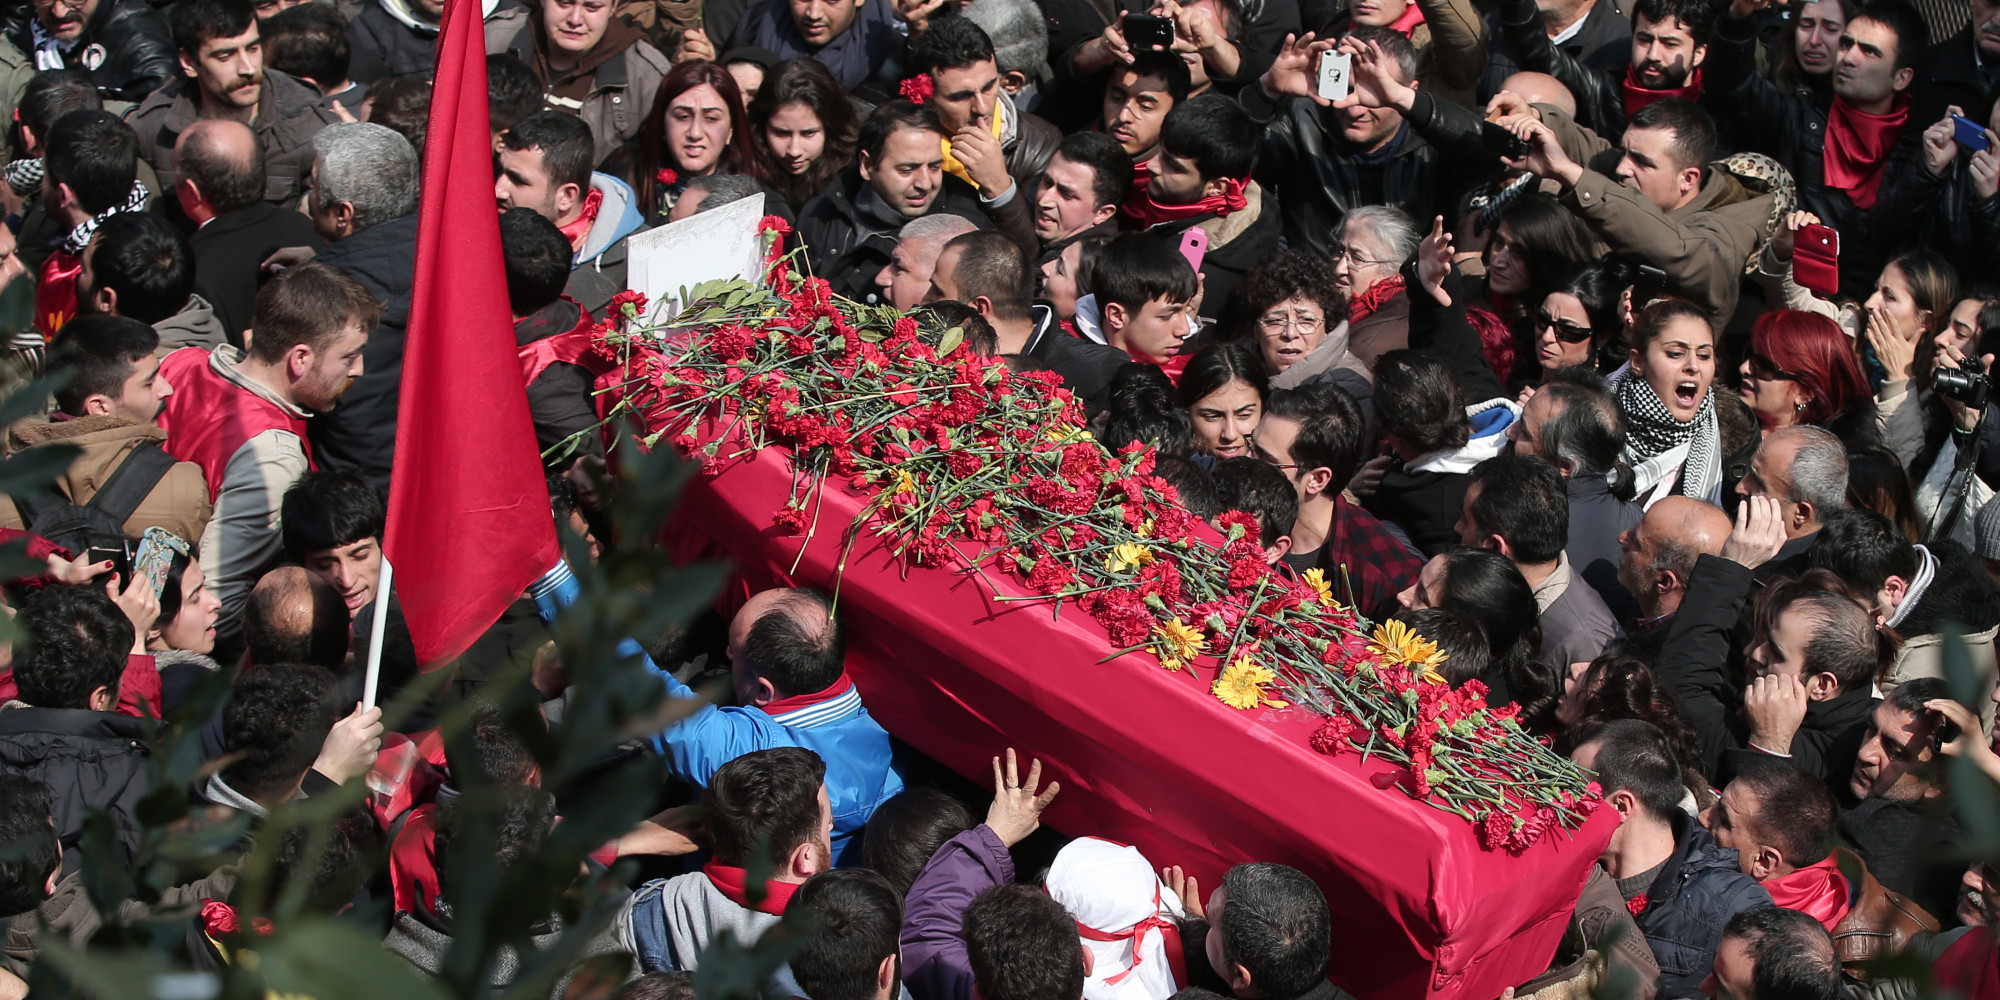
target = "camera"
x: 1967, y: 383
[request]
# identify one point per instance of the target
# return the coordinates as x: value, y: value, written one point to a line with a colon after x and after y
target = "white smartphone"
x: 1336, y: 71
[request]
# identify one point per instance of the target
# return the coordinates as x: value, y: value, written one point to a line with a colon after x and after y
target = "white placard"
x: 719, y: 244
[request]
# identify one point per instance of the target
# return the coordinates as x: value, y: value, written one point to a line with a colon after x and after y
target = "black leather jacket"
x: 1600, y: 96
x: 128, y: 36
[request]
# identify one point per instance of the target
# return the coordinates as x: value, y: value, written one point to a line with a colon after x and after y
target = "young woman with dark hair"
x: 1224, y: 390
x: 1578, y: 319
x: 807, y: 128
x: 697, y: 127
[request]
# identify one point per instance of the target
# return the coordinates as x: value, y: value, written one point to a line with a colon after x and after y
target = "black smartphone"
x: 1148, y: 31
x: 1944, y: 731
x: 1501, y: 142
x: 1651, y: 284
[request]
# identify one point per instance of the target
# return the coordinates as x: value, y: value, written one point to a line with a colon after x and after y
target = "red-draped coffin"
x: 1148, y: 757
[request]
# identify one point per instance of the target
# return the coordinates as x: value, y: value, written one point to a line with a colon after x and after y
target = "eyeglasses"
x: 62, y: 4
x: 1764, y: 368
x: 1341, y: 250
x: 1276, y: 323
x: 1567, y: 332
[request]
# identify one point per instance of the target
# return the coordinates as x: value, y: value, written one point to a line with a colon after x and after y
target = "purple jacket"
x: 934, y: 954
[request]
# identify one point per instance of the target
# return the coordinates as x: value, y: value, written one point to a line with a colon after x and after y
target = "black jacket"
x: 1791, y: 128
x: 849, y: 234
x: 229, y: 249
x: 1948, y: 74
x: 1693, y: 665
x: 1598, y: 86
x: 360, y: 432
x: 130, y: 37
x: 1909, y: 846
x: 1238, y: 242
x: 1596, y: 520
x: 1956, y: 221
x: 1699, y: 888
x: 1603, y: 44
x: 87, y: 760
x: 559, y: 399
x: 1960, y: 595
x: 1321, y: 177
x: 1086, y: 366
x: 384, y: 46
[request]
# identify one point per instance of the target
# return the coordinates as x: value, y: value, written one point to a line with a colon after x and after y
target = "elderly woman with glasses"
x: 1293, y: 324
x: 1374, y: 242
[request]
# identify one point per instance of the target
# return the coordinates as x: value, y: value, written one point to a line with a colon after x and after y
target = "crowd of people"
x: 1634, y: 352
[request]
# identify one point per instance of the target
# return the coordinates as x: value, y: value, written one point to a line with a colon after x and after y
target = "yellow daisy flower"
x: 1316, y: 579
x: 1181, y: 643
x: 1129, y: 556
x: 1398, y: 643
x: 905, y: 483
x: 1242, y: 685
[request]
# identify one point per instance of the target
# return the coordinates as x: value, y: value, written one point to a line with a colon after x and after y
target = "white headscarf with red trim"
x: 1124, y: 915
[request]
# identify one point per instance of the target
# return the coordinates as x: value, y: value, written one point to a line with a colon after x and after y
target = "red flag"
x: 469, y: 521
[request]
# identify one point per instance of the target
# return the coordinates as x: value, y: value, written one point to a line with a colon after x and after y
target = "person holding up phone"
x: 1958, y: 189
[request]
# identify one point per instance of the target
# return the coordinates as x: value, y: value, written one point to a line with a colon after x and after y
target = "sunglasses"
x: 1567, y: 332
x: 1764, y: 368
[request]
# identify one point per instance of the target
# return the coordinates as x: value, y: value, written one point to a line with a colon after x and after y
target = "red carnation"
x: 917, y: 89
x: 667, y: 176
x: 1637, y: 904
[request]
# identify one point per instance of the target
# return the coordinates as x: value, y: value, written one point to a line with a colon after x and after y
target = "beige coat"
x: 178, y: 503
x: 1923, y: 656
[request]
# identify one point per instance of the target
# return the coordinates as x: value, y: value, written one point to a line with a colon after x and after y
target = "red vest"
x: 209, y: 417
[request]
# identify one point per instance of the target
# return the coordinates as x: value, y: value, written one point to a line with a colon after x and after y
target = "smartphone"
x: 1501, y: 142
x: 1650, y: 285
x: 1194, y: 246
x: 1816, y: 260
x: 1336, y: 74
x: 1148, y: 31
x: 1968, y: 133
x: 1943, y: 730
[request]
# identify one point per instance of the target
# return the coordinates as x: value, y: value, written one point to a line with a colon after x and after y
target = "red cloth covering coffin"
x: 1148, y: 757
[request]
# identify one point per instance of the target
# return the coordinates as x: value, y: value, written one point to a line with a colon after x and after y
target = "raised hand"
x: 915, y: 13
x: 1985, y: 167
x: 1507, y: 104
x: 1775, y: 707
x: 1107, y: 48
x: 1295, y: 72
x: 1759, y: 532
x: 1017, y: 810
x: 351, y: 745
x: 1374, y: 78
x: 1898, y: 353
x: 1185, y: 886
x: 1434, y: 262
x: 1940, y: 143
x: 1545, y: 158
x: 695, y: 45
x: 1785, y: 238
x: 140, y: 604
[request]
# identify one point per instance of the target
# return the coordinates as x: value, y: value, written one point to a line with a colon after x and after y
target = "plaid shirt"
x: 1366, y: 564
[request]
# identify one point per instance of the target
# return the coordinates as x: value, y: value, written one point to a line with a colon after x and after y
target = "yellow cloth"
x: 957, y: 169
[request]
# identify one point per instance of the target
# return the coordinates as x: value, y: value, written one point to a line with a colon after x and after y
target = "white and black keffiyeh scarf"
x: 79, y: 238
x: 1656, y: 443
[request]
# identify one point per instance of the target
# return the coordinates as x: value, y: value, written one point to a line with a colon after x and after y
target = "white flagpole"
x: 375, y: 627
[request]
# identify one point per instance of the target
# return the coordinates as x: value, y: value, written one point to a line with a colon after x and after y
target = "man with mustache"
x: 120, y: 44
x: 1669, y: 42
x: 222, y: 60
x: 241, y: 416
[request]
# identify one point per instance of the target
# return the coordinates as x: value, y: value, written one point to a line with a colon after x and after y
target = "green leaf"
x: 950, y: 341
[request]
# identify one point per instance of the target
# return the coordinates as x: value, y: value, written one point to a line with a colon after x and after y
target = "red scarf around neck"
x: 1413, y: 15
x: 1858, y: 145
x: 1149, y: 213
x: 1819, y: 891
x: 1365, y: 304
x: 734, y: 883
x: 578, y: 231
x: 1637, y: 97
